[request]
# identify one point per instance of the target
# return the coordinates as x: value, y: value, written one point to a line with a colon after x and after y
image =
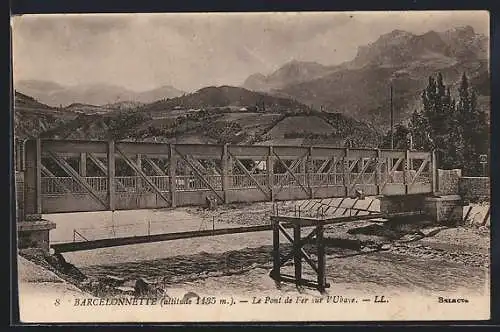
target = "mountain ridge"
x: 99, y: 94
x: 360, y: 87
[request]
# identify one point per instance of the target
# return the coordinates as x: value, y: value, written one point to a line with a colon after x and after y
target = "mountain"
x: 360, y: 88
x: 163, y: 92
x: 292, y: 72
x: 225, y: 96
x: 56, y: 95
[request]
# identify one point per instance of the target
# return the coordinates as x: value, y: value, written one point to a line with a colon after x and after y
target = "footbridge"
x: 79, y: 176
x: 63, y: 176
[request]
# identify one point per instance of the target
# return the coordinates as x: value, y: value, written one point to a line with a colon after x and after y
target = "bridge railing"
x: 184, y: 174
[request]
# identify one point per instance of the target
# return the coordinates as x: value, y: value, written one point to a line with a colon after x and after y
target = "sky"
x: 193, y: 50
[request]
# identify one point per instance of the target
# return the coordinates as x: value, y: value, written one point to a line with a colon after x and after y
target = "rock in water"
x: 141, y: 287
x: 190, y: 295
x: 125, y: 290
x: 58, y: 262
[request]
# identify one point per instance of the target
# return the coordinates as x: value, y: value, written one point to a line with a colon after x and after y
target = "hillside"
x: 360, y: 87
x: 225, y: 96
x: 31, y: 118
x: 56, y: 95
x: 223, y: 126
x: 221, y: 115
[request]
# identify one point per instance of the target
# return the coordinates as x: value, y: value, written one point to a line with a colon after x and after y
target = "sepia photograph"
x: 252, y: 167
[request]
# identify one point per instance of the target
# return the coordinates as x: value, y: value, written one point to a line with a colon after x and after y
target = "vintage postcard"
x: 252, y: 167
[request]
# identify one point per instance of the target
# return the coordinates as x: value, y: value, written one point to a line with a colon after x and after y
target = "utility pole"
x: 392, y: 120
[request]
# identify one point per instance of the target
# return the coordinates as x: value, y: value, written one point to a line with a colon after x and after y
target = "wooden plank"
x: 59, y: 183
x: 406, y: 170
x: 378, y: 175
x: 122, y: 241
x: 290, y: 151
x: 248, y: 152
x: 208, y: 151
x: 419, y: 171
x: 320, y: 247
x: 155, y: 167
x: 360, y: 174
x: 225, y: 179
x: 250, y: 176
x: 143, y: 148
x: 199, y: 175
x: 391, y: 171
x: 98, y: 163
x: 332, y: 167
x: 291, y: 172
x: 308, y: 260
x: 309, y: 171
x: 324, y: 164
x: 297, y: 257
x: 346, y: 170
x: 420, y: 155
x: 74, y: 174
x: 394, y: 154
x: 287, y: 221
x: 293, y: 167
x: 74, y: 146
x: 486, y: 216
x: 435, y: 188
x: 270, y: 173
x: 362, y: 153
x: 103, y: 167
x: 301, y: 282
x: 143, y: 176
x: 327, y: 153
x: 111, y: 175
x: 83, y: 164
x: 172, y: 173
x: 276, y: 251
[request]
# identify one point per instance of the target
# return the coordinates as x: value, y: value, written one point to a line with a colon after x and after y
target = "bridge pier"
x: 32, y: 230
x: 34, y: 234
x: 441, y: 209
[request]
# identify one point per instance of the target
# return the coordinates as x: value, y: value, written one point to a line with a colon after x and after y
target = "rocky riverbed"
x: 393, y: 253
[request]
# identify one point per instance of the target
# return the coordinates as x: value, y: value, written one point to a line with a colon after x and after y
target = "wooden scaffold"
x: 298, y: 253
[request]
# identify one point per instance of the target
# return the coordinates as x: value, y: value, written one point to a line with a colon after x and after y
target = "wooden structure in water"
x: 316, y: 225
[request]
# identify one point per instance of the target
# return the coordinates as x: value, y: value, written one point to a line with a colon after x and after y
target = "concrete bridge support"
x: 32, y: 230
x: 443, y: 206
x: 443, y: 210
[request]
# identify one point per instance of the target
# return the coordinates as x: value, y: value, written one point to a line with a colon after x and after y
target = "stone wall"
x: 475, y: 189
x: 448, y: 180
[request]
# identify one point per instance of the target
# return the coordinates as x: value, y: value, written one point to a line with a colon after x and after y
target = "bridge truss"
x: 78, y: 176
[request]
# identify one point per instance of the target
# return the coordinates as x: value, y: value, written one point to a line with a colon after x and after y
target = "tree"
x: 401, y: 138
x: 473, y: 128
x: 457, y: 131
x: 434, y: 127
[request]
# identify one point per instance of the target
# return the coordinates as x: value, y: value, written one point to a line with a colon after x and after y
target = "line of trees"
x: 457, y: 130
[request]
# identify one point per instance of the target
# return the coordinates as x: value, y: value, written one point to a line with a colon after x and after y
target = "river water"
x: 241, y: 262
